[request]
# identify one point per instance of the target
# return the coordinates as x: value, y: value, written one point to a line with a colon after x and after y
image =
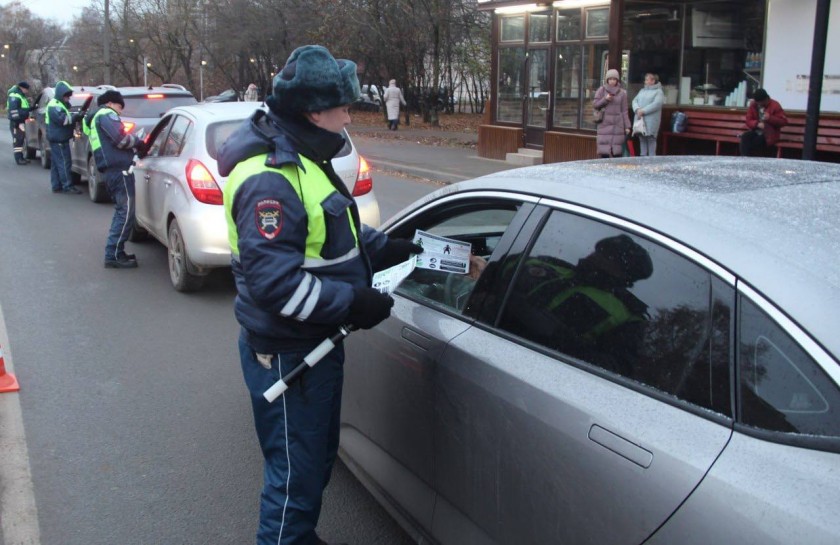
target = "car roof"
x: 774, y: 223
x: 219, y: 111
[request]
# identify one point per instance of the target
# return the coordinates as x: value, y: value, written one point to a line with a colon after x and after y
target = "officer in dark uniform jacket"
x: 303, y: 266
x: 18, y: 108
x: 113, y: 151
x: 60, y: 124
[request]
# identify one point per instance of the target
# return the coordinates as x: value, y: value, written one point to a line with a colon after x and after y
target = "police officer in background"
x: 303, y: 266
x: 114, y: 154
x: 59, y: 133
x: 18, y: 108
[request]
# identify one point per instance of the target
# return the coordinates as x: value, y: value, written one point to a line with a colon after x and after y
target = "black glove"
x: 369, y: 307
x: 76, y: 117
x: 396, y: 251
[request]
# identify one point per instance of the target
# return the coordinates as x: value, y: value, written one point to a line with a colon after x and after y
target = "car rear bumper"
x: 205, y: 236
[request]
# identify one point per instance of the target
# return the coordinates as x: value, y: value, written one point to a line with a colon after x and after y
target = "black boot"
x: 20, y: 160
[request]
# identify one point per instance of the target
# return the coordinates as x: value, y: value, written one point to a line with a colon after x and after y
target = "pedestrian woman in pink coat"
x: 615, y: 127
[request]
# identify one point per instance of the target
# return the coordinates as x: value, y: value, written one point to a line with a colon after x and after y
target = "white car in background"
x: 179, y: 189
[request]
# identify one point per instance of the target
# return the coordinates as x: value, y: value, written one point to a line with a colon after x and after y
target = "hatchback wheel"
x: 44, y: 148
x: 179, y: 274
x: 96, y: 188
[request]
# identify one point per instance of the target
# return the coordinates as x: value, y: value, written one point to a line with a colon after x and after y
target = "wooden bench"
x: 793, y: 135
x: 715, y: 126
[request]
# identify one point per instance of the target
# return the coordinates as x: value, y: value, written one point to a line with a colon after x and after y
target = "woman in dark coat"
x: 613, y: 130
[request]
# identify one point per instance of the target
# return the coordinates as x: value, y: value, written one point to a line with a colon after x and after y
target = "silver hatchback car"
x: 644, y: 351
x: 179, y: 189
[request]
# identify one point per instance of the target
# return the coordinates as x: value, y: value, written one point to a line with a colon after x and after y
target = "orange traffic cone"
x: 8, y: 382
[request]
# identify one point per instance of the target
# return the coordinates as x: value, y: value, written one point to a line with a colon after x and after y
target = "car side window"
x: 780, y: 387
x: 177, y: 137
x: 158, y: 136
x: 621, y: 303
x: 483, y: 227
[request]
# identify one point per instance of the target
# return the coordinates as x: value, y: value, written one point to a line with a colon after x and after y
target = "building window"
x: 513, y: 29
x: 511, y: 67
x: 568, y: 24
x: 539, y: 27
x: 597, y: 23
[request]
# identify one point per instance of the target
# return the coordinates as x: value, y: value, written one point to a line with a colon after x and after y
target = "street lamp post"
x: 146, y: 66
x: 201, y: 80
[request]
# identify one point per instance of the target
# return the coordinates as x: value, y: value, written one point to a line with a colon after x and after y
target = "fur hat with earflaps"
x: 111, y: 96
x: 313, y: 81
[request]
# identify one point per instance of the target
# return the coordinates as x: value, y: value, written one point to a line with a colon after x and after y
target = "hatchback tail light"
x: 202, y: 184
x: 364, y: 180
x: 127, y: 127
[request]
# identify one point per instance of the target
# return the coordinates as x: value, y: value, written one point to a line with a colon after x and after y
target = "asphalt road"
x: 137, y: 424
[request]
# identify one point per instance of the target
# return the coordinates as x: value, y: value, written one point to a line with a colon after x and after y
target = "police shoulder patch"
x: 269, y: 217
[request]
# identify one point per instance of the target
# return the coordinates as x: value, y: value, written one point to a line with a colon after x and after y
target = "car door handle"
x: 167, y: 183
x: 621, y: 446
x: 416, y: 338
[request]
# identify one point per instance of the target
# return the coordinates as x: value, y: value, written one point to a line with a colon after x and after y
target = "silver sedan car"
x: 179, y: 189
x: 643, y: 351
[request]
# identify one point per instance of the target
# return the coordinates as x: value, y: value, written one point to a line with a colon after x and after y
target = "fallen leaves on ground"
x: 448, y: 122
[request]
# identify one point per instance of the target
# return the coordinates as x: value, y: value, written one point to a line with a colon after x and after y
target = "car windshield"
x: 142, y: 106
x: 217, y: 133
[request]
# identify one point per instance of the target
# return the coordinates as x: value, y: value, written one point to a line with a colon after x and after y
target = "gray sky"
x: 62, y: 11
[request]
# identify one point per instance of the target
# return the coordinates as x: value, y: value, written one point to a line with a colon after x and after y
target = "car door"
x: 164, y: 186
x: 143, y: 172
x: 388, y: 405
x: 591, y: 397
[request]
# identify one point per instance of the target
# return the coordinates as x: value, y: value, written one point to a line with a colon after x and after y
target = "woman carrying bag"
x: 648, y: 108
x: 611, y: 98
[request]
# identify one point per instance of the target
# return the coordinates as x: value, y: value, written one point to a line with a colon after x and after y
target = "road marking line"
x: 18, y: 512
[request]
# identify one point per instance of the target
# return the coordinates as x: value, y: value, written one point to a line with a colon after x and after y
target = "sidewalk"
x: 442, y: 156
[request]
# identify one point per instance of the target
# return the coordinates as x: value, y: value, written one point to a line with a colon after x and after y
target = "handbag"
x: 597, y: 115
x: 639, y: 127
x: 678, y: 122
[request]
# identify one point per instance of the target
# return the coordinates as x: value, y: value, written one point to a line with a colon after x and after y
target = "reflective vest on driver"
x: 93, y: 133
x: 312, y: 187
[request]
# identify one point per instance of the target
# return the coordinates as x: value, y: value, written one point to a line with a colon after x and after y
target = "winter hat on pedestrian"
x: 611, y: 73
x: 313, y: 81
x: 23, y: 85
x: 111, y: 96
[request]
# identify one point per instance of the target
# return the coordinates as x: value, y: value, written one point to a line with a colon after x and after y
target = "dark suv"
x: 144, y: 106
x: 36, y: 125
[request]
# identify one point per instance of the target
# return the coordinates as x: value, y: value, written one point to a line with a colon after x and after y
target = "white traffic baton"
x: 309, y: 360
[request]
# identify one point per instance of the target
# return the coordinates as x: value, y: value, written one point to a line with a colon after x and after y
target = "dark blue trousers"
x: 298, y: 435
x: 121, y: 188
x: 60, y: 177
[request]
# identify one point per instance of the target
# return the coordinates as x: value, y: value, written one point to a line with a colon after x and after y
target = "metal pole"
x: 107, y: 44
x: 201, y: 81
x: 145, y: 72
x: 815, y: 81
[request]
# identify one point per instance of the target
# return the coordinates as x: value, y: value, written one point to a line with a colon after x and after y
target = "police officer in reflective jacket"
x: 17, y: 110
x: 303, y: 266
x: 60, y: 124
x: 113, y: 151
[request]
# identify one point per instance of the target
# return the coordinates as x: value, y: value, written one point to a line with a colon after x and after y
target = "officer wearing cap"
x: 113, y: 151
x: 60, y: 123
x: 303, y: 266
x: 18, y: 108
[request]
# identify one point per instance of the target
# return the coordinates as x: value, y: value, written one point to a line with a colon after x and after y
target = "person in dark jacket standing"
x: 60, y: 124
x: 113, y: 151
x: 17, y: 110
x: 765, y: 118
x: 303, y: 266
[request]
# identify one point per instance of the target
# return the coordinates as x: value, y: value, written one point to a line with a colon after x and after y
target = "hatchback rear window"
x: 142, y: 106
x: 217, y: 133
